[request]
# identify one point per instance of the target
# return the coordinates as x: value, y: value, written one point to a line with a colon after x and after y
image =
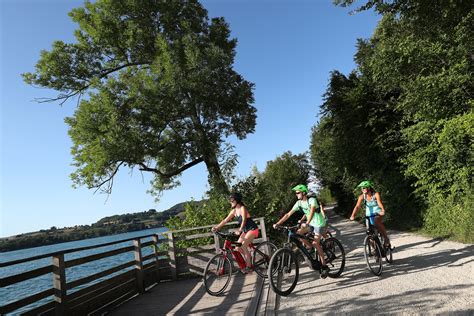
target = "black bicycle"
x: 283, y: 269
x: 376, y: 248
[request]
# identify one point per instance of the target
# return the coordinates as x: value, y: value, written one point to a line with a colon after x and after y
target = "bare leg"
x: 381, y: 228
x: 318, y: 247
x: 302, y: 231
x: 246, y: 239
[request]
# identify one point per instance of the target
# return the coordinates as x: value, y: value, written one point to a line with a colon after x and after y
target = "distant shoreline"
x: 15, y: 243
x: 107, y: 226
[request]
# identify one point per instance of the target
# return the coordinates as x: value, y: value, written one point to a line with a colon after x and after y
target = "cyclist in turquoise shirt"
x: 373, y: 207
x: 316, y: 221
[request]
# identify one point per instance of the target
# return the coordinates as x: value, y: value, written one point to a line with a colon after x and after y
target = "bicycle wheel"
x: 373, y: 255
x: 334, y: 255
x: 328, y: 234
x: 387, y: 251
x: 261, y: 257
x: 217, y: 274
x: 283, y: 272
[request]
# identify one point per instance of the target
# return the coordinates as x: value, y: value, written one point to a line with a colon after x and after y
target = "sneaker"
x: 324, y: 272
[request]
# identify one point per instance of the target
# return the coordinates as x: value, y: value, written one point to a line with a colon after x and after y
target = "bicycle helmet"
x: 366, y: 184
x: 236, y: 196
x: 301, y: 188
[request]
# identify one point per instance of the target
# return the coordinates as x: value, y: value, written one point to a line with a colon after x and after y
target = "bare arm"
x: 224, y: 221
x: 284, y: 218
x: 322, y: 210
x: 311, y: 214
x: 356, y: 208
x: 379, y: 202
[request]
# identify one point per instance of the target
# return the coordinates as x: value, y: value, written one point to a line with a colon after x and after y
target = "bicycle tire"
x: 335, y: 256
x: 261, y: 258
x: 373, y: 255
x: 329, y: 235
x: 389, y: 255
x: 283, y: 262
x: 387, y: 252
x: 223, y: 271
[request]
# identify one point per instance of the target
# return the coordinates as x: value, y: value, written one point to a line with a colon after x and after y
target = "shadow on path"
x: 184, y: 297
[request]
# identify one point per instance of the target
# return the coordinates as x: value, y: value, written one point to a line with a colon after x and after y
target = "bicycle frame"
x: 293, y: 238
x: 373, y: 233
x: 229, y: 251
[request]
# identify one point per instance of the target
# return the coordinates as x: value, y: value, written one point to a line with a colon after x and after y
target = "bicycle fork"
x: 221, y: 265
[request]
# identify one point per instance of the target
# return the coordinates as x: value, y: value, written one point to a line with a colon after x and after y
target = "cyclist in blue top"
x: 373, y: 207
x: 316, y: 221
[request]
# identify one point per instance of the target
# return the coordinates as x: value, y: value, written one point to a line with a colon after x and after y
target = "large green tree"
x: 404, y: 117
x: 157, y: 90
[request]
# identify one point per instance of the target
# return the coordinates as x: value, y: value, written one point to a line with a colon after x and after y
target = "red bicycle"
x: 218, y: 270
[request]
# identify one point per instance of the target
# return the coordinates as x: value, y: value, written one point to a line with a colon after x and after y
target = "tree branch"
x: 172, y: 173
x: 110, y: 180
x: 81, y: 90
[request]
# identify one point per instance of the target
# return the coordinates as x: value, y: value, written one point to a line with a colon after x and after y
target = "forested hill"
x: 109, y: 225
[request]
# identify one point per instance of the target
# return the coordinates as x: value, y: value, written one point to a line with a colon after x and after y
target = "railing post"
x: 172, y: 256
x: 139, y: 265
x: 216, y: 243
x: 262, y: 228
x: 157, y: 263
x: 59, y: 284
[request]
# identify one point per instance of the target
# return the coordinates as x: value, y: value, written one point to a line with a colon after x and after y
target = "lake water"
x: 26, y: 288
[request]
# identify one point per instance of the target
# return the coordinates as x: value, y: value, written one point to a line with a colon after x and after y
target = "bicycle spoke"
x: 217, y: 274
x: 283, y: 272
x: 373, y: 255
x: 335, y: 256
x: 261, y: 258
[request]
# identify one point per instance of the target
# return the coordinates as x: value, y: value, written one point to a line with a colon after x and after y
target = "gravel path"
x: 428, y: 276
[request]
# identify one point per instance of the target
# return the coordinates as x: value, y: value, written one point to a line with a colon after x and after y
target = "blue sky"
x: 287, y: 48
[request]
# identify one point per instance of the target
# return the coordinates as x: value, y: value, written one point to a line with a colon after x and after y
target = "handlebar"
x: 226, y: 236
x: 295, y: 227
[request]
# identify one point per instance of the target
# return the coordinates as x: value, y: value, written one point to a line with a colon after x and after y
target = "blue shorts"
x: 318, y: 230
x: 372, y: 218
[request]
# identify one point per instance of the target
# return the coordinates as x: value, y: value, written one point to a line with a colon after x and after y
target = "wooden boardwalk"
x: 186, y: 297
x: 156, y: 261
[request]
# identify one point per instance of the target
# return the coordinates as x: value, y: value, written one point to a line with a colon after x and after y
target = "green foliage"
x: 404, y: 117
x: 325, y: 196
x: 162, y: 94
x: 267, y: 194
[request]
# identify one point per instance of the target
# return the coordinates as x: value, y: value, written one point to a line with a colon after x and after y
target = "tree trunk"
x: 209, y: 153
x: 215, y: 177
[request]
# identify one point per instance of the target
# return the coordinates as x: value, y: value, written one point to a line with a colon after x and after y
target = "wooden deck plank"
x: 189, y: 297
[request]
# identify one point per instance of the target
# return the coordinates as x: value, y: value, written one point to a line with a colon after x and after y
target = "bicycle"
x: 219, y: 268
x: 284, y: 261
x: 374, y: 248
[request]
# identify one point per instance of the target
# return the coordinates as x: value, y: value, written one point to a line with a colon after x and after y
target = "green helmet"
x: 301, y: 188
x: 366, y: 184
